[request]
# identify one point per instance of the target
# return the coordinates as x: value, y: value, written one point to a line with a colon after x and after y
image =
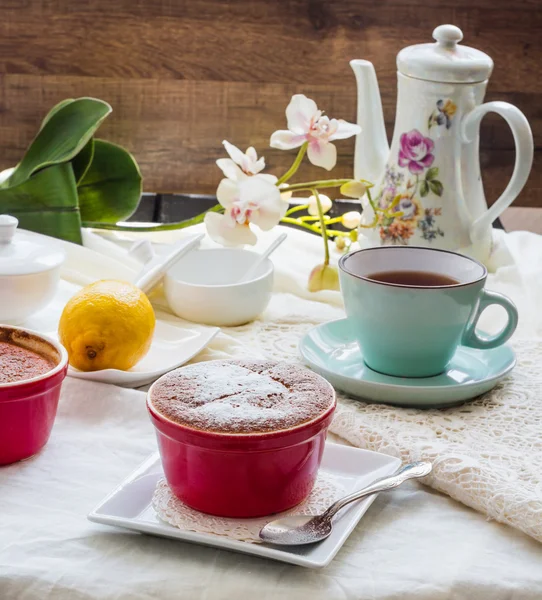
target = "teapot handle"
x: 523, y: 139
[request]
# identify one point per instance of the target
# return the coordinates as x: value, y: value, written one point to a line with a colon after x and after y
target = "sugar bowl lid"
x: 446, y: 60
x: 23, y: 253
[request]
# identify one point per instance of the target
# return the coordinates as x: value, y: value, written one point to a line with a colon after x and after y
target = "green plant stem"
x: 415, y: 186
x: 322, y: 226
x: 164, y: 227
x: 335, y: 233
x: 291, y: 221
x: 371, y: 201
x: 293, y: 169
x: 294, y: 209
x: 311, y: 185
x: 327, y: 219
x: 375, y: 211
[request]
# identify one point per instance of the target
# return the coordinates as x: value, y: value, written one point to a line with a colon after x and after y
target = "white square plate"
x: 129, y: 506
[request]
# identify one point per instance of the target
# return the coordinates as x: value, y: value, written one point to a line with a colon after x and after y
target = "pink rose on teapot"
x: 415, y: 152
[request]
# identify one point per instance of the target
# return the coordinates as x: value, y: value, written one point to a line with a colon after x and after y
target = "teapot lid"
x: 446, y: 60
x: 21, y: 253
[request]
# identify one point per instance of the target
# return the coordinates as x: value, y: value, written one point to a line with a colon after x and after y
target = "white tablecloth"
x: 412, y: 544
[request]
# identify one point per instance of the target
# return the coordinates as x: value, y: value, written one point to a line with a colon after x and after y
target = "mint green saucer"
x: 331, y: 351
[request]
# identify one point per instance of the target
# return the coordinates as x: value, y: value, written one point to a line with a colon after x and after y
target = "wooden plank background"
x: 182, y: 75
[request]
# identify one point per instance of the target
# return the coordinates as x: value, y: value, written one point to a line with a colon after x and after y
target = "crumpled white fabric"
x: 413, y: 543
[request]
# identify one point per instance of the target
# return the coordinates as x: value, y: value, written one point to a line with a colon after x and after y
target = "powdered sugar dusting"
x: 241, y: 396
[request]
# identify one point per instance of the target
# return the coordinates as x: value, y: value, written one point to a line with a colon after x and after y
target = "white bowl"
x: 202, y: 287
x: 23, y: 295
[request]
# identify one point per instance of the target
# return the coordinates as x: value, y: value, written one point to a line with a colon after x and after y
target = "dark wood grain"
x: 183, y: 75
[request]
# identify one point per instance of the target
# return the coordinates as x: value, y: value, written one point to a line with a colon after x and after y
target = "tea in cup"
x: 411, y: 307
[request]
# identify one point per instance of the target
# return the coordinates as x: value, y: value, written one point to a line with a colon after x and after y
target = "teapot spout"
x: 372, y: 147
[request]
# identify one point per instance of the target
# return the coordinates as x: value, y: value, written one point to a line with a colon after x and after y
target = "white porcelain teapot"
x: 433, y: 162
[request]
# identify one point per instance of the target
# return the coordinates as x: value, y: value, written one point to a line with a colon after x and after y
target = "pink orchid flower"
x: 307, y: 124
x: 249, y: 200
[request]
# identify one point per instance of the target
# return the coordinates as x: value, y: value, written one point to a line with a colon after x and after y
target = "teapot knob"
x: 447, y: 35
x: 8, y: 225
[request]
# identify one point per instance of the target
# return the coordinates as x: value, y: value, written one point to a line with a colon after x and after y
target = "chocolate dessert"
x: 18, y: 363
x: 241, y: 396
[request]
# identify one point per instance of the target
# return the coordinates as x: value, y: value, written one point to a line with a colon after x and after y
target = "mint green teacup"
x: 411, y: 330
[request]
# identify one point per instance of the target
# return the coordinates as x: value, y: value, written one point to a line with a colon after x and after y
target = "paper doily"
x: 170, y: 509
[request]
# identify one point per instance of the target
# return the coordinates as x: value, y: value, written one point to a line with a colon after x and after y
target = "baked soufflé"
x: 242, y: 396
x: 18, y: 363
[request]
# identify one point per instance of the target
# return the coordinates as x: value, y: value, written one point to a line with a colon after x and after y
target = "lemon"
x: 107, y: 325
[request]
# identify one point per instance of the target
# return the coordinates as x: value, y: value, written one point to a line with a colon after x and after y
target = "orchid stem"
x: 163, y: 227
x: 296, y: 209
x: 375, y: 211
x: 335, y: 232
x: 293, y: 169
x: 311, y: 185
x: 322, y: 226
x: 311, y: 218
x: 290, y: 221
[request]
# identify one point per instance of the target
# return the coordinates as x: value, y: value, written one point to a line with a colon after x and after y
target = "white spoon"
x: 152, y: 276
x: 253, y: 269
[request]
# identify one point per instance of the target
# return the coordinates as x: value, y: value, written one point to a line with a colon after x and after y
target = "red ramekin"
x: 241, y: 475
x: 28, y: 407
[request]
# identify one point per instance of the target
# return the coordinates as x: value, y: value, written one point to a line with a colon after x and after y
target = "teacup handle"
x: 472, y: 339
x: 523, y: 139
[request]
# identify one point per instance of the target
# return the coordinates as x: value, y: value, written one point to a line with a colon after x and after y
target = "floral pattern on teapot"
x: 416, y: 157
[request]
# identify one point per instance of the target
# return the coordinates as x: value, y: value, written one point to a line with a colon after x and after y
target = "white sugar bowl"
x: 203, y: 286
x: 29, y: 271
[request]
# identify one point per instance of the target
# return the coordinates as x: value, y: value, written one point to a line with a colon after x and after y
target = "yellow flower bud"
x: 340, y: 242
x: 353, y: 189
x: 351, y: 219
x: 324, y: 277
x: 325, y: 201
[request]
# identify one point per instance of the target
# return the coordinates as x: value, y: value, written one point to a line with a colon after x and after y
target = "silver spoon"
x: 307, y: 529
x: 253, y: 269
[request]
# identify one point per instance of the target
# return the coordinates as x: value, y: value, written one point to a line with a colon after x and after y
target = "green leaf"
x: 82, y: 161
x: 424, y: 188
x: 54, y: 110
x: 63, y: 135
x: 111, y: 188
x: 436, y: 187
x: 431, y: 174
x: 46, y: 203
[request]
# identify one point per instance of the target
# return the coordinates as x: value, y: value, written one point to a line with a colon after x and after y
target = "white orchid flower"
x: 307, y: 124
x: 241, y: 164
x: 250, y: 200
x: 325, y: 201
x: 286, y: 196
